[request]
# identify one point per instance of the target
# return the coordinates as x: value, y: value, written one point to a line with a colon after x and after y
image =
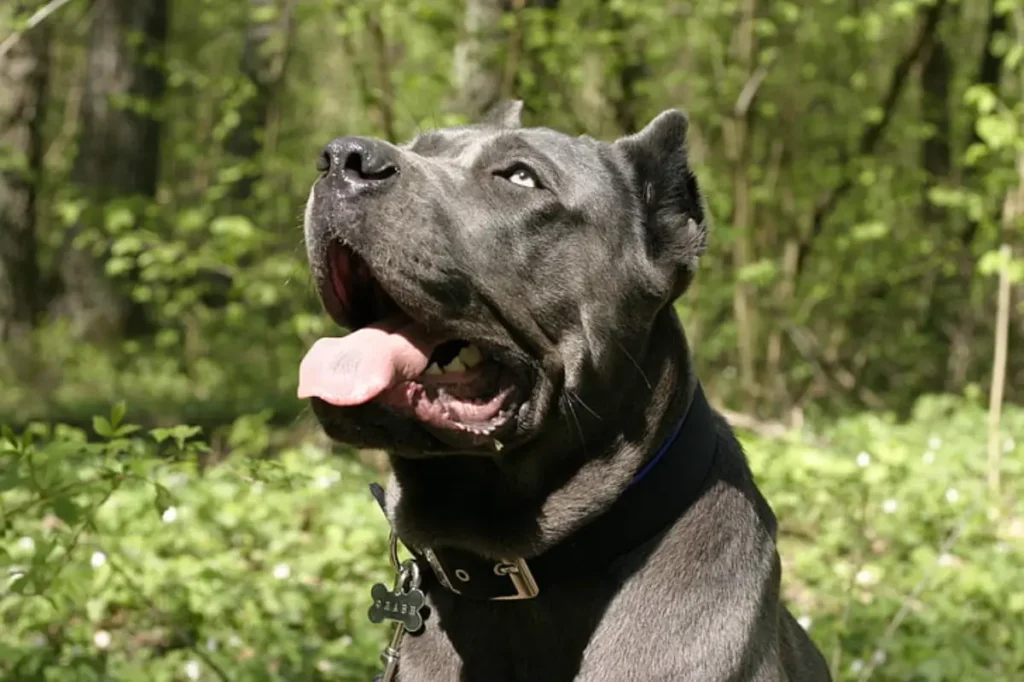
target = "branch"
x: 995, y: 400
x: 747, y: 422
x: 749, y: 91
x: 37, y: 18
x: 872, y: 133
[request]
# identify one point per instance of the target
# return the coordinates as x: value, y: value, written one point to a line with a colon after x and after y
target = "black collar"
x: 658, y: 495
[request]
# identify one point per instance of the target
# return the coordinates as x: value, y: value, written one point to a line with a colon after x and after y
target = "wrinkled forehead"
x: 577, y: 167
x: 467, y: 145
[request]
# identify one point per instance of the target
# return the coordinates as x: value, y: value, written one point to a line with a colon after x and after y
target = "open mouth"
x: 452, y: 386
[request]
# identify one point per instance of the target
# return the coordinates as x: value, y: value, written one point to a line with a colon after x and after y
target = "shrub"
x: 126, y: 559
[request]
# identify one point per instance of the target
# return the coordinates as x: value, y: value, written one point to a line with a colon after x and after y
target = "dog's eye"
x: 521, y: 175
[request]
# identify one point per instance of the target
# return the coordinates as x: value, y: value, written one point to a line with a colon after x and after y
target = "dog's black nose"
x: 359, y: 162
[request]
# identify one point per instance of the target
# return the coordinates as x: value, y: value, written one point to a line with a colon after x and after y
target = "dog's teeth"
x: 433, y: 369
x: 471, y: 356
x: 455, y: 366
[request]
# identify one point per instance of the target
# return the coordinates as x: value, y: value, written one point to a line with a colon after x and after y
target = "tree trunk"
x: 118, y: 152
x: 633, y: 70
x: 24, y: 73
x: 244, y: 141
x: 737, y: 149
x: 948, y: 291
x: 477, y: 64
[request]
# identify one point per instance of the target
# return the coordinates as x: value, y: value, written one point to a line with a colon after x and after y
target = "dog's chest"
x: 588, y: 635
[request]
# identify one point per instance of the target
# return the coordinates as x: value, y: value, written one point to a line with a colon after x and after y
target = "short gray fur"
x: 576, y: 282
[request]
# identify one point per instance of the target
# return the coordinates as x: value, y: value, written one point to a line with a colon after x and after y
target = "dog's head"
x: 496, y: 279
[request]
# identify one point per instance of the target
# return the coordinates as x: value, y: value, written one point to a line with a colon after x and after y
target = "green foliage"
x: 125, y: 559
x: 888, y: 546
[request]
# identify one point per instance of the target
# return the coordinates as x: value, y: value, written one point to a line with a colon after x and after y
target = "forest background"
x: 169, y: 510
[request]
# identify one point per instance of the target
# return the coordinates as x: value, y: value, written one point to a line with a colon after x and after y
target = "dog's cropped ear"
x: 505, y: 114
x: 671, y: 202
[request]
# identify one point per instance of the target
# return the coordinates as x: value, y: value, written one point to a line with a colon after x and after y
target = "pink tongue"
x: 357, y: 368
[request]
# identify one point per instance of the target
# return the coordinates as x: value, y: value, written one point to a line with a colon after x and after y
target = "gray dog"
x: 575, y: 508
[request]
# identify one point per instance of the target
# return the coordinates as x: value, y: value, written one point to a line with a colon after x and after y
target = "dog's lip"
x: 443, y: 329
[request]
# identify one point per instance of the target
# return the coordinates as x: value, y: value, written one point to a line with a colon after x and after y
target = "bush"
x: 128, y: 560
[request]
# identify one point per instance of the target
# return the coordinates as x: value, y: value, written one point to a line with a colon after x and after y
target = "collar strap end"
x: 478, y: 578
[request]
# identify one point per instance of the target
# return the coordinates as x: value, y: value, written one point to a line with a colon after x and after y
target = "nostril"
x: 365, y: 167
x: 354, y: 163
x: 385, y: 171
x: 323, y: 162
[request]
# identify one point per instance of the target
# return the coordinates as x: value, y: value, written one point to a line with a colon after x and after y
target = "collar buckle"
x: 516, y: 571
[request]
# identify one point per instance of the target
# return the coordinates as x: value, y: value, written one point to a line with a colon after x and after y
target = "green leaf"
x: 119, y: 219
x: 11, y: 479
x: 870, y: 231
x: 117, y: 414
x: 998, y: 130
x: 992, y: 262
x: 235, y: 227
x: 21, y: 584
x: 163, y: 499
x: 126, y: 430
x: 102, y: 427
x: 67, y: 510
x: 982, y: 97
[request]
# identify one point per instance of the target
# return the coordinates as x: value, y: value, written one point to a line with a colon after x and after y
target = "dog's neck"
x: 525, y: 503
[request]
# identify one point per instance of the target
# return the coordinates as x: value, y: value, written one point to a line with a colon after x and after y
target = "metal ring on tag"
x: 409, y: 572
x: 462, y: 574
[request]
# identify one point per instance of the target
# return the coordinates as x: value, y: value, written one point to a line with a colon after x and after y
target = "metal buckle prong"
x: 518, y: 571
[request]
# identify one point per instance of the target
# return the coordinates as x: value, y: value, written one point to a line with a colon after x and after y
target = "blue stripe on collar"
x: 666, y: 446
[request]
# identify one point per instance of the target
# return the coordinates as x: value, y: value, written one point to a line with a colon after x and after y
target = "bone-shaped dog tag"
x: 402, y: 606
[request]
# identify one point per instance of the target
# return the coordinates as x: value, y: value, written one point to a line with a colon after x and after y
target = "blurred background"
x: 170, y: 511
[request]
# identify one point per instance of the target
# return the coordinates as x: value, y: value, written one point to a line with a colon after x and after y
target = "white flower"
x: 856, y: 666
x: 863, y: 460
x: 928, y: 457
x: 865, y: 577
x: 952, y: 495
x: 1008, y: 445
x: 878, y: 658
x: 98, y: 559
x: 101, y: 638
x: 934, y: 443
x: 192, y: 670
x: 805, y: 622
x: 170, y: 515
x: 27, y: 543
x: 946, y: 559
x: 890, y: 506
x: 282, y: 571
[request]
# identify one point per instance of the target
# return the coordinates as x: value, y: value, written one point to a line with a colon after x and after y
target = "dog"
x: 578, y: 510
